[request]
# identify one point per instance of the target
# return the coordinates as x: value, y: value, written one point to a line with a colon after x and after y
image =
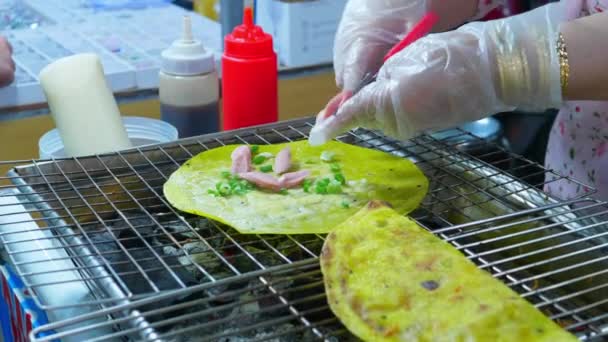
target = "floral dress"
x: 579, y: 138
x: 578, y: 142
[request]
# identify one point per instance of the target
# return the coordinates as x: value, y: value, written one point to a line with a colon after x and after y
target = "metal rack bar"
x: 109, y: 213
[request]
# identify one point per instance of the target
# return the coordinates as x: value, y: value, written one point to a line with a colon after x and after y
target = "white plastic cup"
x: 141, y: 131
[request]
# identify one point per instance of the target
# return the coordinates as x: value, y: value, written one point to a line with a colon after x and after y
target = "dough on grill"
x: 370, y: 174
x: 387, y: 279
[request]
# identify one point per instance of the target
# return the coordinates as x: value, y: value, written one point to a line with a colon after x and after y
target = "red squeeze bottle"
x: 249, y: 77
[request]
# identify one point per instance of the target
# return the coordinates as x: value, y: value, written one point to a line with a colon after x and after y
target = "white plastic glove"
x: 449, y: 78
x: 367, y: 31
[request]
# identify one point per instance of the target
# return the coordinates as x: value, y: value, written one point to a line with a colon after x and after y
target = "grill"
x: 107, y: 258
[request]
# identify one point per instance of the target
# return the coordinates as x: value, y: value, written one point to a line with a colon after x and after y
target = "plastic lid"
x: 141, y: 131
x: 187, y: 56
x: 248, y: 40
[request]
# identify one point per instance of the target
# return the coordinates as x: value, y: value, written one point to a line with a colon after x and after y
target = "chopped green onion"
x: 340, y: 178
x: 320, y: 188
x: 327, y: 156
x: 306, y: 185
x: 259, y: 159
x: 327, y: 186
x: 266, y: 168
x: 334, y: 187
x: 324, y: 181
x: 255, y: 149
x: 233, y: 185
x: 224, y: 189
x: 334, y: 167
x: 345, y: 204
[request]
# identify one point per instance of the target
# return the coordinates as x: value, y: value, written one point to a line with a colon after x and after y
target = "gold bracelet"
x: 564, y: 67
x: 513, y: 71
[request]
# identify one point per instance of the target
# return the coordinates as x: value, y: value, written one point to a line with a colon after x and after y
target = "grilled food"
x: 315, y: 189
x: 387, y: 279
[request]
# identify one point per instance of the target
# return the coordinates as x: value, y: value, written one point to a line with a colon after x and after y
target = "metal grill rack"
x: 107, y: 257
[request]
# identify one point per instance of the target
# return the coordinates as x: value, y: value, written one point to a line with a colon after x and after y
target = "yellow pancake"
x: 387, y: 279
x: 370, y: 174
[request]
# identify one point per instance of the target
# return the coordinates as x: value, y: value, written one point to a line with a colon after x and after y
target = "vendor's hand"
x: 367, y: 31
x: 449, y: 78
x: 7, y: 65
x: 437, y: 82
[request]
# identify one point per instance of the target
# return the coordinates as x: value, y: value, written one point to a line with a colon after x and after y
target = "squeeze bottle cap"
x: 187, y: 56
x: 248, y: 39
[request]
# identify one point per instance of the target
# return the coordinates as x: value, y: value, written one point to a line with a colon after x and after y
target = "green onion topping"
x: 266, y: 168
x: 340, y: 178
x: 231, y: 185
x: 327, y: 156
x: 257, y: 160
x: 334, y: 187
x: 307, y: 184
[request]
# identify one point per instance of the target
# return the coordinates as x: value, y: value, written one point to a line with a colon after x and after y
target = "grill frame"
x: 466, y: 194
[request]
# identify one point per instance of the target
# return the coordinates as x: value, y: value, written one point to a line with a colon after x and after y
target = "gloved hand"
x: 367, y: 31
x: 7, y: 65
x: 449, y: 78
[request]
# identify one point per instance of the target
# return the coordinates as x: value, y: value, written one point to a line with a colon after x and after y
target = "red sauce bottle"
x: 249, y: 77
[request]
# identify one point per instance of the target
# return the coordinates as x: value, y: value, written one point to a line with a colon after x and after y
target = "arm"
x: 7, y: 66
x: 586, y: 41
x: 445, y: 79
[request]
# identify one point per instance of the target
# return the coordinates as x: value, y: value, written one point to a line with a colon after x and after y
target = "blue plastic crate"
x: 19, y: 314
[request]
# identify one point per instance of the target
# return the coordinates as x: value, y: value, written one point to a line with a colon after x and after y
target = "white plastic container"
x: 141, y: 132
x: 188, y: 87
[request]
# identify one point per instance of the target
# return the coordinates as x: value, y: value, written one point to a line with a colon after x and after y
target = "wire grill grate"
x: 100, y: 224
